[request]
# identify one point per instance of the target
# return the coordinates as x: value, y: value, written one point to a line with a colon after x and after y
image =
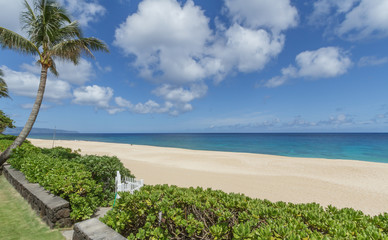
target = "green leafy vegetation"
x: 18, y: 220
x: 103, y: 170
x: 196, y: 213
x: 5, y: 121
x: 87, y: 182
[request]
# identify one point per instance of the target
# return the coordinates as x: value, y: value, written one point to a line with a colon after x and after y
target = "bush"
x: 195, y: 213
x: 60, y: 152
x: 69, y: 180
x: 7, y: 140
x: 87, y: 182
x: 22, y: 154
x: 103, y: 170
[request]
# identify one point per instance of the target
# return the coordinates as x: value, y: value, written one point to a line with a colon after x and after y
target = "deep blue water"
x: 371, y: 147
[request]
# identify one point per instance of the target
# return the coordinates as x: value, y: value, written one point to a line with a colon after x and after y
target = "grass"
x: 18, y: 220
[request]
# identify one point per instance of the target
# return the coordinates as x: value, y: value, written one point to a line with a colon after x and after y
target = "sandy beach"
x: 341, y: 183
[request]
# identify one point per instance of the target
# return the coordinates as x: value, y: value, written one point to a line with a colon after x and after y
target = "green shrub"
x: 7, y: 140
x: 60, y: 152
x: 7, y: 137
x: 195, y: 213
x: 103, y: 170
x: 69, y: 180
x: 87, y: 182
x: 19, y: 155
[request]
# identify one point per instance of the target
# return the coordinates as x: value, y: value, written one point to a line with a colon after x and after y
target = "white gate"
x: 129, y: 184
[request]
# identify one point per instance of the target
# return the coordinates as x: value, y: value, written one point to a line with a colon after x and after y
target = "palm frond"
x: 95, y: 44
x: 27, y: 18
x: 3, y: 86
x: 14, y: 41
x: 68, y: 32
x: 73, y: 49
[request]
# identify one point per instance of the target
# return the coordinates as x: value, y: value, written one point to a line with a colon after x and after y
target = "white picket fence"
x: 129, y: 184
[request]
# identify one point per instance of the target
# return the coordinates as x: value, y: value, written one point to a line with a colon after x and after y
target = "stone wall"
x: 93, y: 229
x: 53, y: 210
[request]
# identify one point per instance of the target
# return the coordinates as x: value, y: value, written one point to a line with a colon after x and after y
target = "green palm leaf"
x: 12, y: 40
x: 3, y: 86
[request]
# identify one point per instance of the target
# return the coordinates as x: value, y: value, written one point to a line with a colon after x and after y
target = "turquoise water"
x: 371, y: 147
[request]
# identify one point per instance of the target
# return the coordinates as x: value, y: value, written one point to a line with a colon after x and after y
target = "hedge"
x: 196, y: 213
x: 87, y: 182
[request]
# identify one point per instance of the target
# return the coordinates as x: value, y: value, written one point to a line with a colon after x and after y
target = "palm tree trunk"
x: 31, y: 120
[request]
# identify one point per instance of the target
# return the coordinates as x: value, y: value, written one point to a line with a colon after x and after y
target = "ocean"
x: 371, y: 147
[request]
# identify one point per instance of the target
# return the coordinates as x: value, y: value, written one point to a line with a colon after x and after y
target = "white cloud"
x: 175, y: 47
x: 276, y: 15
x: 74, y: 74
x: 176, y: 100
x: 368, y: 19
x: 143, y: 108
x: 246, y: 49
x: 274, y: 82
x: 323, y: 9
x: 149, y: 107
x: 325, y: 62
x: 187, y: 50
x: 371, y: 61
x: 26, y: 84
x: 84, y: 11
x: 93, y: 95
x: 167, y: 40
x: 353, y: 19
x: 179, y: 94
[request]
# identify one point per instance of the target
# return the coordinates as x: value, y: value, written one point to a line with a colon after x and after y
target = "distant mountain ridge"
x: 17, y: 130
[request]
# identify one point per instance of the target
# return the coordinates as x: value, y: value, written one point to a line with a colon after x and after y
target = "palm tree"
x: 50, y: 35
x: 3, y: 86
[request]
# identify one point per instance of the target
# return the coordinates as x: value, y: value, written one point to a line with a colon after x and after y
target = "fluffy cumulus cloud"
x: 94, y: 96
x: 167, y: 39
x: 325, y: 62
x: 353, y: 19
x: 275, y: 15
x: 175, y: 48
x: 247, y: 49
x: 26, y: 84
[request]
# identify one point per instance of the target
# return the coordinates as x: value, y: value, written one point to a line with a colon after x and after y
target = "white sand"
x: 341, y: 183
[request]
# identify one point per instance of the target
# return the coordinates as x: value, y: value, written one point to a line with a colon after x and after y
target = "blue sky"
x: 213, y: 66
